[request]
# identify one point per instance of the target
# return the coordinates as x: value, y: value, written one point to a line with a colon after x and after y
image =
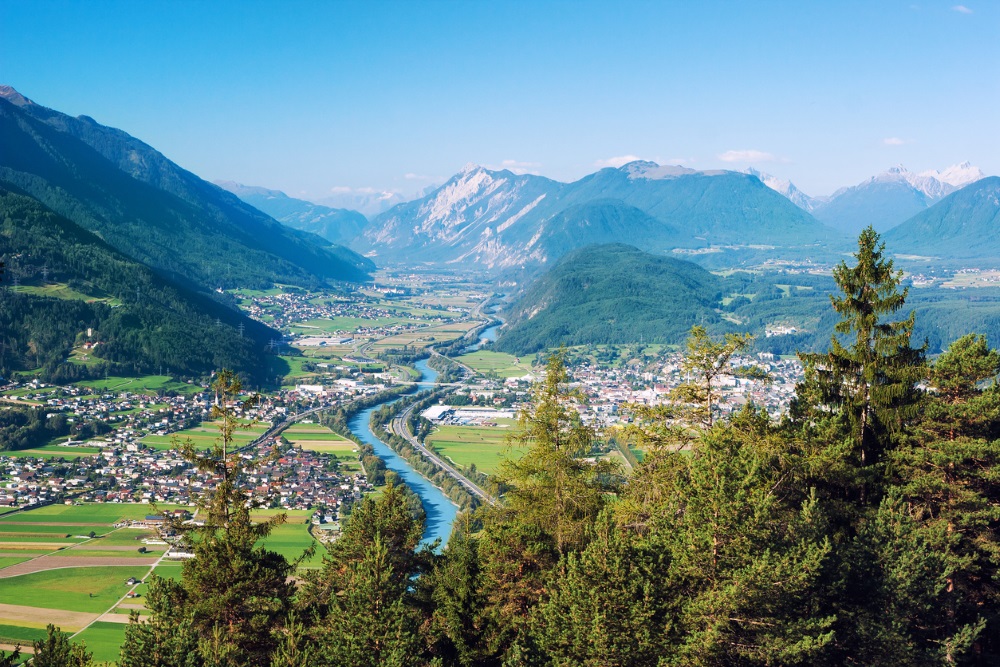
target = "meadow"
x: 146, y: 384
x: 104, y: 640
x: 84, y: 589
x: 504, y: 365
x: 203, y: 436
x: 484, y: 446
x: 54, y: 451
x: 86, y: 513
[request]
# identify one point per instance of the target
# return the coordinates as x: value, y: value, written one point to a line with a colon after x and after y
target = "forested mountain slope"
x: 69, y: 281
x: 965, y: 225
x: 154, y: 211
x: 612, y: 294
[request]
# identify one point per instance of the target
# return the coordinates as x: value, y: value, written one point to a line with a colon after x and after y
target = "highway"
x: 400, y: 428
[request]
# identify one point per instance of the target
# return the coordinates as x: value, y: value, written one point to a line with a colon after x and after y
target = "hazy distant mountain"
x: 336, y: 225
x: 889, y: 198
x: 497, y: 219
x: 612, y: 294
x: 366, y: 201
x: 152, y: 210
x: 784, y: 187
x: 963, y: 225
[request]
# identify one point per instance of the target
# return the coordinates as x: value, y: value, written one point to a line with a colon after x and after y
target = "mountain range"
x: 151, y: 209
x: 502, y: 220
x: 75, y: 288
x: 891, y: 197
x: 337, y: 225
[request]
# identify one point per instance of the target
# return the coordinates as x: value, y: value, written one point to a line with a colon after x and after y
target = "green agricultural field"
x: 96, y: 513
x: 88, y: 551
x: 425, y: 336
x: 151, y: 384
x: 166, y: 570
x: 51, y: 451
x: 35, y: 541
x: 203, y: 436
x: 104, y: 640
x: 342, y: 449
x: 16, y: 634
x: 328, y: 435
x: 7, y: 561
x: 85, y: 589
x: 504, y: 365
x: 126, y: 537
x: 292, y: 538
x: 8, y: 551
x: 30, y: 529
x: 484, y: 446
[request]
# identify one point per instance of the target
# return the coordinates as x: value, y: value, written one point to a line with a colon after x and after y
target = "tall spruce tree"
x: 869, y: 385
x: 947, y: 477
x: 363, y: 600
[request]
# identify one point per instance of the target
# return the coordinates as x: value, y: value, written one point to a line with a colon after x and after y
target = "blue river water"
x: 440, y: 511
x: 489, y: 334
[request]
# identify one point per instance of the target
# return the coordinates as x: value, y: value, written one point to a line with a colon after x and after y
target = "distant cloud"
x: 961, y: 9
x: 517, y: 167
x: 340, y: 189
x: 616, y: 162
x: 894, y: 141
x: 748, y: 156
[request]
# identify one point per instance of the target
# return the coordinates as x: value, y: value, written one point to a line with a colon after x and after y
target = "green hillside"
x: 962, y: 226
x: 71, y: 281
x: 612, y: 294
x: 161, y: 215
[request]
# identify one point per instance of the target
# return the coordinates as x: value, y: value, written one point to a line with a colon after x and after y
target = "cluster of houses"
x: 290, y: 478
x: 607, y: 389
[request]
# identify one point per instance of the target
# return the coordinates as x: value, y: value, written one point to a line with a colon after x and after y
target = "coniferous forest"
x: 861, y: 529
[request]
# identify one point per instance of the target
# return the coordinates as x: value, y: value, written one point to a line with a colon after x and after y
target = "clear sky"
x: 310, y: 96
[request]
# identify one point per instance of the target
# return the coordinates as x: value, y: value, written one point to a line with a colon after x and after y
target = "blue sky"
x: 310, y: 96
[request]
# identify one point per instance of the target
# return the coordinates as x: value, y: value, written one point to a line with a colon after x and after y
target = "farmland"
x: 203, y: 436
x: 318, y: 438
x: 499, y: 363
x: 482, y: 446
x: 75, y: 597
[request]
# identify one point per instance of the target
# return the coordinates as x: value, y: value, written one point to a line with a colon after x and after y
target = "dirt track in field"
x: 43, y: 563
x: 69, y: 621
x: 25, y: 650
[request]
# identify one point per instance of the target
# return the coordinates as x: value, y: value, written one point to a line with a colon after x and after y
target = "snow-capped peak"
x: 783, y: 187
x: 926, y: 182
x: 469, y: 168
x: 958, y: 175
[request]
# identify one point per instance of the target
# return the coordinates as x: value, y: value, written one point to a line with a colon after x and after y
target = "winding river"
x: 439, y: 509
x: 489, y: 334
